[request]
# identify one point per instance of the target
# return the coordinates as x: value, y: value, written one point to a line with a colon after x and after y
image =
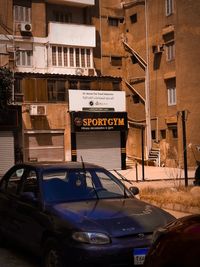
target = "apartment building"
x: 49, y: 46
x: 154, y: 46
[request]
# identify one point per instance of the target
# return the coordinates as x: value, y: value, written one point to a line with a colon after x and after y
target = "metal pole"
x: 136, y: 170
x: 184, y: 147
x: 142, y: 139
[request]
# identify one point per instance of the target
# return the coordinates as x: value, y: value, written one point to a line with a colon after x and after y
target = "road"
x: 15, y: 258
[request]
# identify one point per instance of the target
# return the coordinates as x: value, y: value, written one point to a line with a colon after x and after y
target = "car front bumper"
x: 118, y: 253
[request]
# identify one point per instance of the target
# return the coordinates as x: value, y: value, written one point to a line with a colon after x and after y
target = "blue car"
x: 76, y: 214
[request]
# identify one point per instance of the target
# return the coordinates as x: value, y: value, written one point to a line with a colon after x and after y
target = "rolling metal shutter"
x: 44, y: 147
x: 101, y: 148
x: 7, y: 155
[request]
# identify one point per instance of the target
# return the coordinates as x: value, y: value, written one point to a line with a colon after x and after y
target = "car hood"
x: 118, y: 217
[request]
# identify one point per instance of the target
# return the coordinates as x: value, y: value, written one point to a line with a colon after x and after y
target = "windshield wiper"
x: 93, y: 185
x: 122, y: 177
x: 125, y: 180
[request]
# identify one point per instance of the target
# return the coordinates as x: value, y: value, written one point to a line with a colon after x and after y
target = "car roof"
x: 60, y: 165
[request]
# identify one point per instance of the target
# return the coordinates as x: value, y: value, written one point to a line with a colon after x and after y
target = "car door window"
x: 11, y: 185
x: 30, y: 185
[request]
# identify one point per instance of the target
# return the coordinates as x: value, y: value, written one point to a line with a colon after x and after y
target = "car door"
x: 8, y: 197
x: 30, y: 218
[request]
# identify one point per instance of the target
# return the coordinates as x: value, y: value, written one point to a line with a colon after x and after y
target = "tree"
x: 6, y: 83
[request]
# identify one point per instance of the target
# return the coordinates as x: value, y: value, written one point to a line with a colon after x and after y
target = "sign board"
x: 98, y: 121
x: 88, y: 100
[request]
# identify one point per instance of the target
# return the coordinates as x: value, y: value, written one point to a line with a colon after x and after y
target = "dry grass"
x: 188, y: 197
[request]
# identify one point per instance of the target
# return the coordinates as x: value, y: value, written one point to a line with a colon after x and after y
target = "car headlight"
x: 91, y: 238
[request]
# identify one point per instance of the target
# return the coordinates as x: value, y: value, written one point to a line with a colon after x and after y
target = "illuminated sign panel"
x: 96, y: 121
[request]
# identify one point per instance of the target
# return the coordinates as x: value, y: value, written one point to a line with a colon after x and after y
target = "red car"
x: 177, y: 244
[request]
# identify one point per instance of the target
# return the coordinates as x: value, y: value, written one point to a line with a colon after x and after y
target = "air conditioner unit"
x: 37, y: 110
x: 79, y: 71
x: 91, y: 72
x: 157, y: 49
x: 25, y: 27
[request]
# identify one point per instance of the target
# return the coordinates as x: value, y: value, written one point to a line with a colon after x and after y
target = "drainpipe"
x: 100, y: 30
x: 147, y: 106
x: 14, y: 58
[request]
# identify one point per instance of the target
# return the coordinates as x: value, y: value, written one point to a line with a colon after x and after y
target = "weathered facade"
x: 149, y: 49
x: 155, y: 47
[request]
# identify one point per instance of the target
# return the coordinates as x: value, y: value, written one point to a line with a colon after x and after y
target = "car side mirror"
x: 134, y: 190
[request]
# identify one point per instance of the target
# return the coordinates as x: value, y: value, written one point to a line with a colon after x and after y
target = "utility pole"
x: 184, y: 147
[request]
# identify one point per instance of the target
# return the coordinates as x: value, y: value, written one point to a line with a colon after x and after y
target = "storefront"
x: 44, y: 145
x: 99, y: 138
x: 98, y: 127
x: 9, y: 127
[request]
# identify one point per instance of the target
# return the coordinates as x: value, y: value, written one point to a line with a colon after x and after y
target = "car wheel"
x: 53, y: 256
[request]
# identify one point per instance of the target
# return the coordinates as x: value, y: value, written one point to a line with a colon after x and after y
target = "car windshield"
x: 79, y: 184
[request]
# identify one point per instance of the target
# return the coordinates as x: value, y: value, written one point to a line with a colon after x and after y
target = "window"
x: 153, y: 134
x: 57, y: 91
x: 17, y: 86
x: 19, y: 96
x: 134, y: 59
x: 88, y: 59
x: 113, y: 22
x: 71, y: 57
x: 85, y: 85
x: 116, y: 86
x: 163, y: 134
x: 133, y: 18
x: 116, y: 61
x: 136, y: 99
x: 24, y: 58
x: 171, y: 91
x: 54, y: 62
x: 65, y: 51
x: 170, y: 51
x: 73, y: 84
x: 169, y: 7
x: 77, y: 57
x: 12, y: 185
x: 171, y: 96
x: 174, y: 132
x: 22, y: 14
x: 83, y: 58
x: 60, y: 59
x: 62, y: 17
x: 30, y: 184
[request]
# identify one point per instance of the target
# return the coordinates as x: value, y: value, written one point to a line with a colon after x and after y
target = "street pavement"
x: 153, y: 174
x: 15, y: 258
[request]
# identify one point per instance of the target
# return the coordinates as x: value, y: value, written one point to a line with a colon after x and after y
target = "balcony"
x: 71, y: 34
x: 80, y: 3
